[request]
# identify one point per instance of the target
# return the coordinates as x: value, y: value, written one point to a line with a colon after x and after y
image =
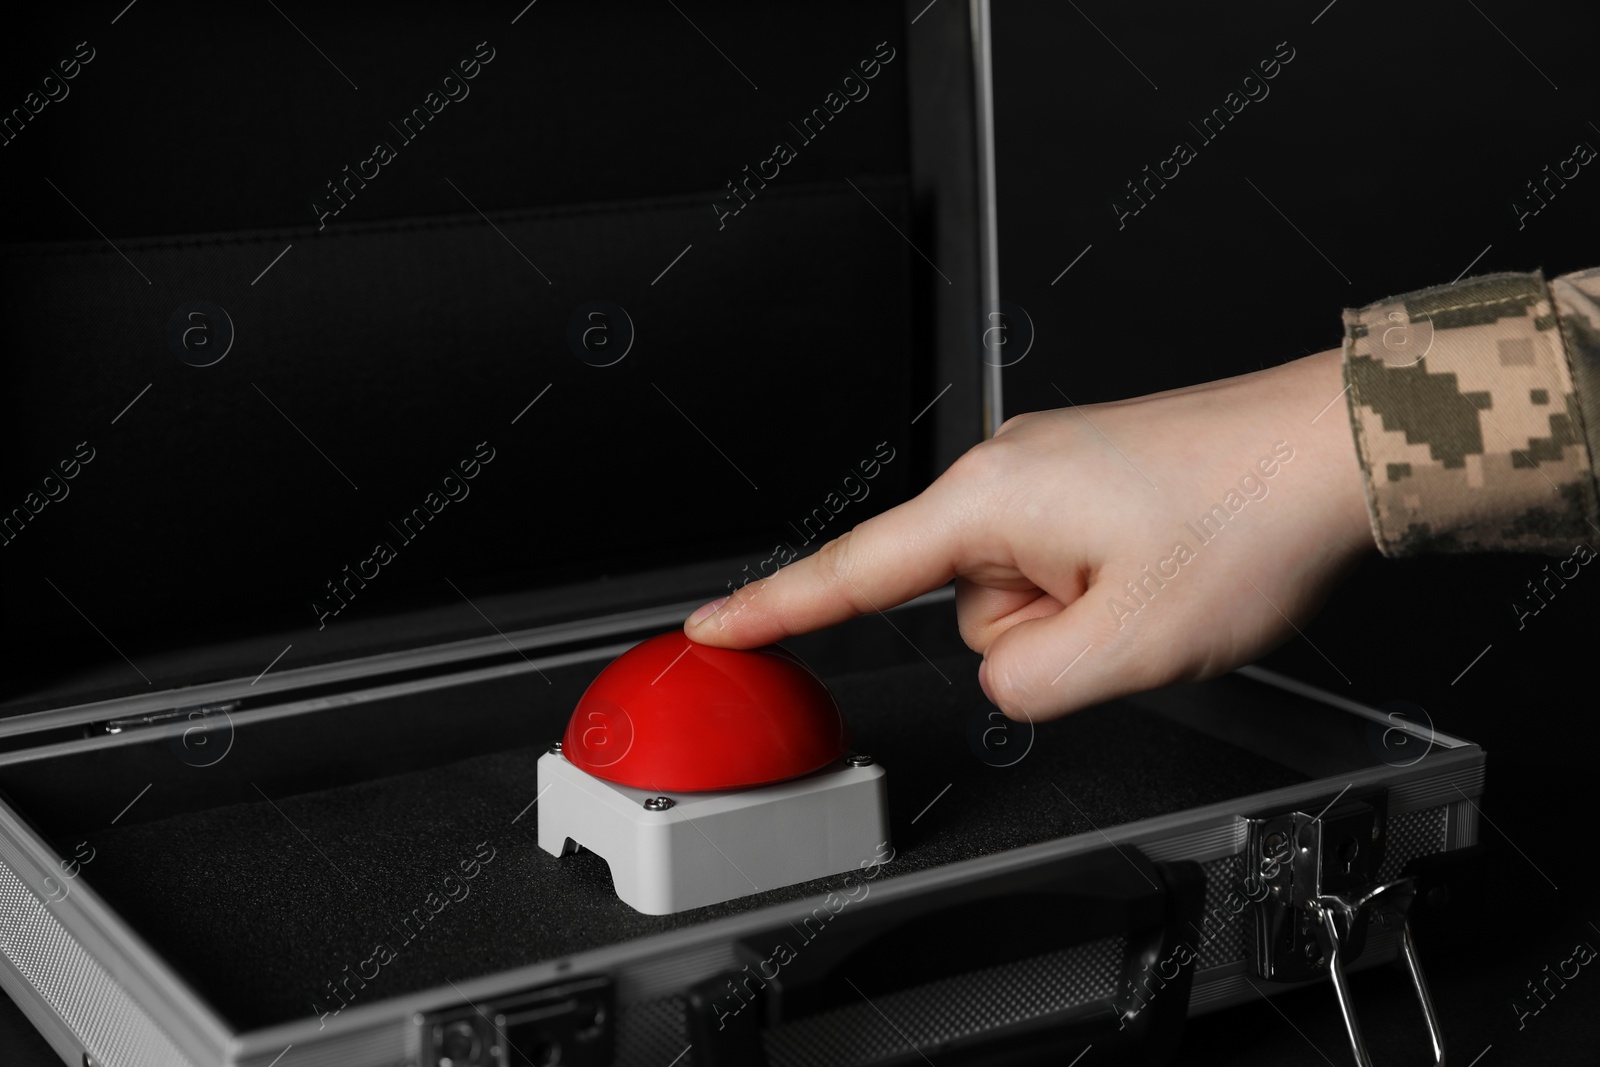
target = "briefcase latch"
x: 1314, y: 878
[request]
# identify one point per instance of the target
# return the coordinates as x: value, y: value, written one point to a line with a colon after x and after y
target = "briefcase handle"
x: 854, y: 951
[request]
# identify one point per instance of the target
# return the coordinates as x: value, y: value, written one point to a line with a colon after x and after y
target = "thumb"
x: 1044, y: 668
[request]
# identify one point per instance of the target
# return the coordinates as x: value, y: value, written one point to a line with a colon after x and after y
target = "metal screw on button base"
x: 859, y: 761
x: 555, y: 749
x: 658, y: 803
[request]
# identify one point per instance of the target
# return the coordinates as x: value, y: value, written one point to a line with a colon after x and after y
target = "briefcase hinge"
x: 164, y: 718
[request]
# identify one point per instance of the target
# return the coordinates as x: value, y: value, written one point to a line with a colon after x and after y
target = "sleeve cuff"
x: 1468, y: 414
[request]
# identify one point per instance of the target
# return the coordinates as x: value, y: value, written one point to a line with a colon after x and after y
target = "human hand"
x: 1104, y: 550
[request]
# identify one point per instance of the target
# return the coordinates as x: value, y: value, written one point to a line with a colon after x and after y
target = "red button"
x: 673, y: 715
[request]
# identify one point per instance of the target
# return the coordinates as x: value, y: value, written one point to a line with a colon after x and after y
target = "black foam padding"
x: 260, y: 905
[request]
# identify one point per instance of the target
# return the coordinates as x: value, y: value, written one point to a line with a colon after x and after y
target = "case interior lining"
x: 264, y: 905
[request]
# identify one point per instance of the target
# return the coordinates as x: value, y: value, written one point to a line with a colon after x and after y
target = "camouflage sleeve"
x: 1476, y: 413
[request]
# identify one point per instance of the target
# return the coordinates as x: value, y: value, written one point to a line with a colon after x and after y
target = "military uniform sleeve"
x: 1476, y: 413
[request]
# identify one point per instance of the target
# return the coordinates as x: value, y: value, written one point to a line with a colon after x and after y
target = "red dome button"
x: 670, y: 714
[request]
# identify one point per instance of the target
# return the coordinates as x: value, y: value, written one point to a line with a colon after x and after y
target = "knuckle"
x: 1014, y: 422
x: 983, y: 463
x: 836, y: 564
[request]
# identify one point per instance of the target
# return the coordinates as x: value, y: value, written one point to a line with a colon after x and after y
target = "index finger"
x: 884, y: 561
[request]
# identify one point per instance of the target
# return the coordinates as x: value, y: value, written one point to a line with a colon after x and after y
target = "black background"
x: 1395, y: 141
x: 408, y: 329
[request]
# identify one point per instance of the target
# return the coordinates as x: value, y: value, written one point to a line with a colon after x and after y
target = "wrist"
x: 1323, y: 399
